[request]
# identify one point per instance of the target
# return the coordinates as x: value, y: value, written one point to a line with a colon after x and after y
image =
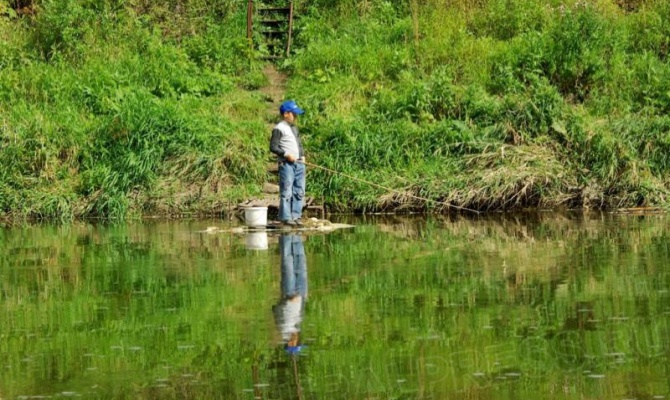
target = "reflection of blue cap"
x: 293, y: 350
x: 290, y: 106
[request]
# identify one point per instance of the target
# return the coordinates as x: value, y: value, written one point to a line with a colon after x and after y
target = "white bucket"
x: 256, y: 216
x: 257, y: 241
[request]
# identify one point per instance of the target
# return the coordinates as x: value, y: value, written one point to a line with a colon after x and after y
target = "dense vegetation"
x: 114, y: 108
x: 111, y: 108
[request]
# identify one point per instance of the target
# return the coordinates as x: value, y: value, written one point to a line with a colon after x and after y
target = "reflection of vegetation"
x: 444, y: 308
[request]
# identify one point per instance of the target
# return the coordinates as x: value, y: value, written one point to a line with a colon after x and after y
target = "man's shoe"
x: 298, y: 222
x: 289, y: 222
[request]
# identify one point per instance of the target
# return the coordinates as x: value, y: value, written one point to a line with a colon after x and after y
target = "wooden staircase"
x: 273, y: 20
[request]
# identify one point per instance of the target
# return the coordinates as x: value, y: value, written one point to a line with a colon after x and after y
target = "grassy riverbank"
x: 491, y: 105
x: 116, y: 109
x: 110, y: 110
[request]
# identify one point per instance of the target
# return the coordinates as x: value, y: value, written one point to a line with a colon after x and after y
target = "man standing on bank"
x: 285, y: 143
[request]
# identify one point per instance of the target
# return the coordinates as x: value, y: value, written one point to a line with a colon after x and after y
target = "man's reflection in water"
x: 289, y: 311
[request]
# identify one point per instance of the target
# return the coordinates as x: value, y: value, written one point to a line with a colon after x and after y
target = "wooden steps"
x: 273, y: 20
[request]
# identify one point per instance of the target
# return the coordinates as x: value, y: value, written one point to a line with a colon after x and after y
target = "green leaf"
x: 558, y: 127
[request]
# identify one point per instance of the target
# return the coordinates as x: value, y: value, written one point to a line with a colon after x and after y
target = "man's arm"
x: 274, y: 143
x: 301, y: 153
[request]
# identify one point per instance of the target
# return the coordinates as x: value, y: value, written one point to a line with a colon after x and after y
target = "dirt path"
x: 276, y: 88
x: 274, y: 91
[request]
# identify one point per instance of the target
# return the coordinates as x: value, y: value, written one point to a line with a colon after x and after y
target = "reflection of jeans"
x: 293, y: 266
x: 291, y: 190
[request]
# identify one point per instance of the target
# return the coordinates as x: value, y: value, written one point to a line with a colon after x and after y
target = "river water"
x: 540, y: 306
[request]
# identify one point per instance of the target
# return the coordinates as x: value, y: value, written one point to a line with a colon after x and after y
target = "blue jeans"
x: 291, y: 190
x: 293, y: 266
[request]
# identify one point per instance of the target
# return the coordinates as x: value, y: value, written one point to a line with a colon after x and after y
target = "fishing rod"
x: 388, y: 188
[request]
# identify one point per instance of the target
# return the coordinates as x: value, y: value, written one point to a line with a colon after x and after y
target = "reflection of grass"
x: 541, y: 254
x: 443, y: 308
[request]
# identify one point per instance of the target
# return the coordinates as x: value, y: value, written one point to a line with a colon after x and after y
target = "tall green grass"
x: 111, y: 109
x: 114, y: 108
x: 499, y: 105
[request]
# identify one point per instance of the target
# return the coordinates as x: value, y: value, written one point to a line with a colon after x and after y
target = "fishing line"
x: 389, y: 189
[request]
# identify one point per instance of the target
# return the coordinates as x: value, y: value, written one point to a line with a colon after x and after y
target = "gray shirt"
x: 286, y: 140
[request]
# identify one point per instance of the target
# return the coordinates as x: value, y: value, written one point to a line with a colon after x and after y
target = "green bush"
x: 505, y: 19
x: 650, y: 84
x: 62, y: 26
x: 577, y: 52
x: 650, y: 30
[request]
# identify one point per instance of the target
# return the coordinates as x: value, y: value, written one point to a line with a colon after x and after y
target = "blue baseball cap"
x: 293, y: 350
x: 290, y: 106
